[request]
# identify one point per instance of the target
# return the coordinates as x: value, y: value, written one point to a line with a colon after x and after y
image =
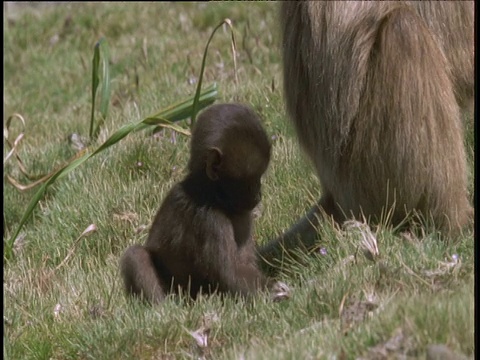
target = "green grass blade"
x: 105, y: 90
x: 95, y: 82
x: 100, y: 52
x: 173, y: 113
x: 183, y: 109
x: 200, y: 78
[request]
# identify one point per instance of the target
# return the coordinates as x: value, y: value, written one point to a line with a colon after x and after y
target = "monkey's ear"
x: 214, y: 161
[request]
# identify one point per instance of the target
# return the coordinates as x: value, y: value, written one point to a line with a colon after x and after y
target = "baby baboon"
x: 201, y: 238
x: 374, y: 90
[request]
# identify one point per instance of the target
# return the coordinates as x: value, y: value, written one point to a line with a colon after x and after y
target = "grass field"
x: 62, y: 291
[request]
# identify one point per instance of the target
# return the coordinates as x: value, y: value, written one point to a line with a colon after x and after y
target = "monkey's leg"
x: 140, y: 276
x: 303, y: 233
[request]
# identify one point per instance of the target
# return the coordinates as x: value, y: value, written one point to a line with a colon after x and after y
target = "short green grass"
x: 62, y: 292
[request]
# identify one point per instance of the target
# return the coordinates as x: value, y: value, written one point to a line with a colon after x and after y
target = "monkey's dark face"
x: 237, y: 195
x: 230, y: 151
x: 239, y: 173
x: 234, y: 172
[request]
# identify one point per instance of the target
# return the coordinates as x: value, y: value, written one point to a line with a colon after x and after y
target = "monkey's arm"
x: 301, y: 234
x: 232, y: 267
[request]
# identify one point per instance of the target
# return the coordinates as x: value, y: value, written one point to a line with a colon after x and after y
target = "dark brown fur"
x: 374, y: 90
x: 201, y: 238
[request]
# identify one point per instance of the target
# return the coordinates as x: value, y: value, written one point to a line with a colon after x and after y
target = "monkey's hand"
x: 279, y: 291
